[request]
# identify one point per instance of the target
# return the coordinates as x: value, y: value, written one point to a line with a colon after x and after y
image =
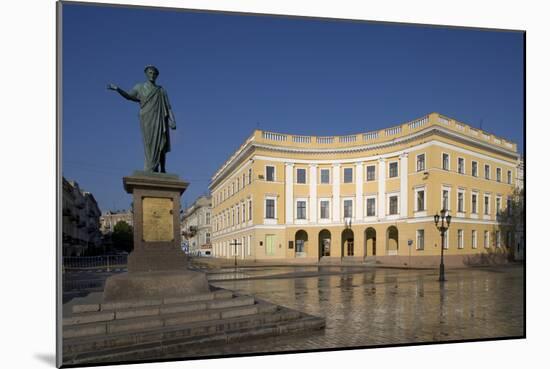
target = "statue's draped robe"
x: 154, y: 116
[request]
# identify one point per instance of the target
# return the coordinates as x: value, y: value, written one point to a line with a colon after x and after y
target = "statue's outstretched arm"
x: 132, y: 95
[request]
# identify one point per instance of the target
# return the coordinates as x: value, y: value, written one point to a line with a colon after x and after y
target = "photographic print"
x: 246, y: 184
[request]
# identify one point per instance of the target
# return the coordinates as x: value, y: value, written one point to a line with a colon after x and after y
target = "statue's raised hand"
x: 113, y: 87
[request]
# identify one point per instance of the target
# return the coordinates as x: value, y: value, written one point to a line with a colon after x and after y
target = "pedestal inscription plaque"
x: 158, y: 219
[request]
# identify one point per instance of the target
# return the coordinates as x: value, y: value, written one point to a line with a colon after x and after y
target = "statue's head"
x: 151, y: 72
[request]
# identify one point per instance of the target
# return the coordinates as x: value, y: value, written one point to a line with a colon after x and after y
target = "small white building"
x: 196, y: 227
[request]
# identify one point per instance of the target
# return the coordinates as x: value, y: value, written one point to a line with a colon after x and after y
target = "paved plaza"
x: 369, y: 306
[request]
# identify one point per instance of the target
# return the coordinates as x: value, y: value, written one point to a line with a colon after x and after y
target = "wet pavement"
x: 383, y: 306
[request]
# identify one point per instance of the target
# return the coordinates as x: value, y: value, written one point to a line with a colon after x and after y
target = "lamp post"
x: 235, y: 244
x: 445, y: 217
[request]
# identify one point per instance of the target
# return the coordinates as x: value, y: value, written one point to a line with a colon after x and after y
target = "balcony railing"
x: 346, y: 139
x: 325, y: 140
x: 392, y: 131
x: 274, y: 136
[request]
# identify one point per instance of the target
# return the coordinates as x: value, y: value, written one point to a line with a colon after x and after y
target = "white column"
x: 404, y: 176
x: 336, y: 193
x: 289, y: 193
x: 359, y: 190
x: 381, y: 188
x: 313, y: 193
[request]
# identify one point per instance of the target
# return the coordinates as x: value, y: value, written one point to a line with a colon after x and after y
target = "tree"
x: 123, y: 236
x: 510, y: 221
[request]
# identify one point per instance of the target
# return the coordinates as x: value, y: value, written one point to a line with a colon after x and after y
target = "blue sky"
x: 229, y: 74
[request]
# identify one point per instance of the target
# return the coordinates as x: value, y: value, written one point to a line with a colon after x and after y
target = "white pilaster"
x: 404, y: 175
x: 289, y: 193
x: 359, y: 169
x: 381, y: 188
x: 336, y: 192
x: 313, y: 193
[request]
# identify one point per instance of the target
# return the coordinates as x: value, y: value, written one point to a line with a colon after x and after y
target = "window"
x: 325, y: 209
x: 461, y: 202
x: 208, y: 238
x: 300, y: 209
x: 445, y: 162
x: 244, y: 212
x: 420, y: 200
x: 474, y: 239
x: 499, y: 174
x: 207, y: 218
x: 461, y: 168
x: 446, y: 240
x: 325, y: 176
x: 371, y: 173
x: 497, y: 238
x: 393, y: 170
x: 474, y: 168
x: 270, y: 173
x: 487, y: 172
x: 348, y: 175
x: 249, y: 175
x: 486, y: 239
x: 300, y: 175
x: 486, y: 205
x: 244, y: 179
x: 238, y: 185
x: 460, y: 240
x: 498, y: 203
x: 393, y: 205
x: 509, y: 206
x: 420, y: 239
x: 420, y: 163
x: 238, y: 218
x: 348, y: 208
x: 445, y: 199
x: 250, y: 210
x: 270, y: 208
x: 270, y: 244
x: 509, y: 177
x: 474, y: 203
x: 371, y: 207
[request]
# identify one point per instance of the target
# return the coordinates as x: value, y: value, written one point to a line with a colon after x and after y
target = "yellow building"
x: 365, y: 196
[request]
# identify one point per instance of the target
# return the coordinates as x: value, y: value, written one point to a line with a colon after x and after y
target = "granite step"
x: 242, y: 306
x: 196, y: 329
x: 178, y: 346
x: 142, y: 310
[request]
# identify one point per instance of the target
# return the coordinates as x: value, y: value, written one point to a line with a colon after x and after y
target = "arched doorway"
x: 300, y: 240
x: 347, y: 242
x: 324, y: 243
x: 370, y: 242
x: 392, y: 240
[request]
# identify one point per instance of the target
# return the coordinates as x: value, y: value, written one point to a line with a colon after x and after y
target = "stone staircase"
x: 152, y: 329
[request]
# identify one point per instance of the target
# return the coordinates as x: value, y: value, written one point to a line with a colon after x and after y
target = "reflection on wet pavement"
x: 388, y: 306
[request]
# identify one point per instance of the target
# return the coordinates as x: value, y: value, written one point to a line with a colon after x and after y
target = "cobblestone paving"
x: 388, y: 306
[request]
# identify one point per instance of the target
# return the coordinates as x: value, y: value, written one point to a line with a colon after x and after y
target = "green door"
x: 270, y: 244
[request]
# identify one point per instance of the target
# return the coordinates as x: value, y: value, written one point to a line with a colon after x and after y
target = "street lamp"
x: 442, y: 229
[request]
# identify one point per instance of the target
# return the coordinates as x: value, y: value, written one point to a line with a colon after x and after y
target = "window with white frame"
x: 420, y: 199
x: 460, y: 238
x: 445, y: 194
x: 486, y: 203
x: 371, y: 206
x: 474, y: 239
x: 474, y: 203
x: 270, y: 173
x: 207, y: 238
x: 509, y: 206
x: 249, y: 175
x: 509, y: 177
x: 325, y: 176
x: 238, y: 218
x: 421, y: 163
x: 371, y: 173
x: 498, y: 203
x: 243, y: 212
x: 270, y: 208
x: 499, y: 175
x: 460, y: 201
x: 301, y: 209
x: 394, y: 171
x: 486, y: 239
x: 348, y: 175
x: 497, y: 238
x: 461, y: 167
x: 238, y: 185
x: 325, y: 209
x: 474, y: 168
x: 300, y: 175
x: 420, y: 239
x: 446, y: 240
x: 249, y: 209
x: 207, y: 219
x: 487, y: 171
x: 393, y: 208
x: 348, y: 208
x: 445, y: 161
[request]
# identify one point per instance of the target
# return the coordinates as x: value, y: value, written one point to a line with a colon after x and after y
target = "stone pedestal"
x: 157, y: 267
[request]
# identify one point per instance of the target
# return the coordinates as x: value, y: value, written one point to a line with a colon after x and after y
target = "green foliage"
x: 123, y: 236
x: 511, y: 219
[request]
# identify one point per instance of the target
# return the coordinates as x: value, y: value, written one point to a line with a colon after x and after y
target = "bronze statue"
x: 155, y: 115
